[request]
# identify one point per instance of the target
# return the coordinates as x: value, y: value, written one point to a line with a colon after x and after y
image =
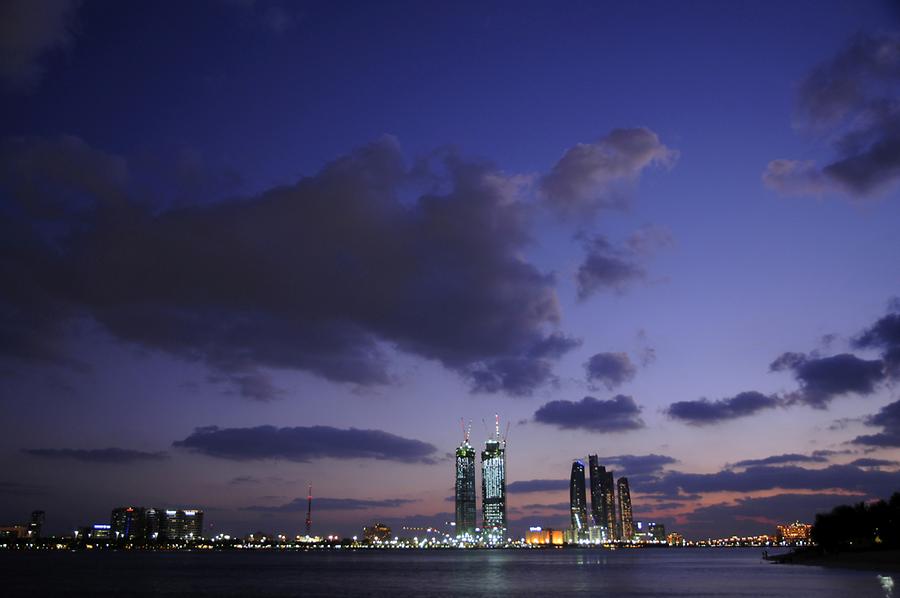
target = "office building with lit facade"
x: 142, y: 524
x: 577, y: 500
x: 493, y: 488
x: 626, y: 518
x: 184, y: 524
x: 465, y: 490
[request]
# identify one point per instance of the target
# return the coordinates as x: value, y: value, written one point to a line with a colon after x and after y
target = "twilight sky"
x: 249, y: 245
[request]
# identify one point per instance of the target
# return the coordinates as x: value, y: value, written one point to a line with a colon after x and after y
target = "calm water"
x: 658, y: 572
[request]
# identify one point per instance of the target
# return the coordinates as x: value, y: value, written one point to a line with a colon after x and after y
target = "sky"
x: 249, y: 246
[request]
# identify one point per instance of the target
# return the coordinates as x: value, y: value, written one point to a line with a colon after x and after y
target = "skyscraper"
x: 36, y: 524
x: 465, y: 488
x: 186, y: 524
x: 626, y: 518
x: 603, y: 499
x: 577, y: 501
x: 493, y: 485
x: 127, y: 523
x: 596, y: 500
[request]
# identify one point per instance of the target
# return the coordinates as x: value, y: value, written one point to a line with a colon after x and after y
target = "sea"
x: 489, y: 573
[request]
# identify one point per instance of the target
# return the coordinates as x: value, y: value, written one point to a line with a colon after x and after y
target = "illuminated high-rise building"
x: 626, y: 519
x: 493, y: 485
x: 127, y: 523
x: 465, y: 488
x: 603, y: 499
x: 596, y: 500
x: 184, y: 524
x: 577, y: 501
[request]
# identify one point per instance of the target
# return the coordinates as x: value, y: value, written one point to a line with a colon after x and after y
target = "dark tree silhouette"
x: 860, y: 526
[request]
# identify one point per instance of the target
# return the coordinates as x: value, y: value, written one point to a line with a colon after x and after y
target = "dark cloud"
x: 525, y: 486
x: 870, y: 462
x: 304, y: 444
x: 782, y: 460
x: 884, y: 334
x: 606, y: 268
x: 758, y: 515
x: 822, y: 379
x: 107, y: 455
x: 704, y: 412
x: 28, y: 30
x: 299, y: 505
x: 854, y: 96
x: 767, y: 477
x: 888, y: 418
x: 590, y: 176
x: 559, y: 506
x: 554, y: 346
x: 329, y: 275
x: 244, y: 479
x: 610, y: 369
x: 618, y: 414
x: 633, y: 465
x: 62, y: 176
x: 513, y: 375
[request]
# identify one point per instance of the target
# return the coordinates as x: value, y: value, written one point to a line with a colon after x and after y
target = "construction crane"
x: 309, y: 511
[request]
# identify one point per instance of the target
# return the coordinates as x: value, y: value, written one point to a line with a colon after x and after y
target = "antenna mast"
x: 309, y: 511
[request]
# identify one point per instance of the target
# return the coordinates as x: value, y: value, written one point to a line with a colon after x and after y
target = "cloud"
x: 606, y: 268
x: 823, y: 379
x: 58, y: 177
x: 795, y: 177
x: 611, y: 369
x: 526, y: 486
x: 767, y: 477
x: 703, y: 412
x: 329, y: 275
x: 854, y: 98
x: 870, y: 462
x: 244, y: 479
x: 299, y: 505
x: 28, y: 30
x: 588, y: 175
x: 303, y: 444
x: 888, y: 418
x: 884, y: 334
x: 618, y: 414
x: 559, y: 506
x: 107, y: 455
x: 633, y: 465
x: 782, y: 460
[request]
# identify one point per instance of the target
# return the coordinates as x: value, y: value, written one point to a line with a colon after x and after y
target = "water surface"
x: 650, y: 572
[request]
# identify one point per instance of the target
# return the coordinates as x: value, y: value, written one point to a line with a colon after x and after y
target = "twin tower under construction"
x: 493, y: 487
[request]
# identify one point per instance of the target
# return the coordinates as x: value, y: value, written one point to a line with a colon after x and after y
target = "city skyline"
x: 249, y: 246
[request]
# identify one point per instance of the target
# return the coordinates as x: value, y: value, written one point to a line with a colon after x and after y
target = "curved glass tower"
x: 577, y: 501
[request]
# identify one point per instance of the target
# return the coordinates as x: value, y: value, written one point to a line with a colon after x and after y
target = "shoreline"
x: 868, y: 560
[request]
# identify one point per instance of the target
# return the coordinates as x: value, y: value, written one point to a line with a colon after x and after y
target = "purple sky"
x: 250, y: 245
